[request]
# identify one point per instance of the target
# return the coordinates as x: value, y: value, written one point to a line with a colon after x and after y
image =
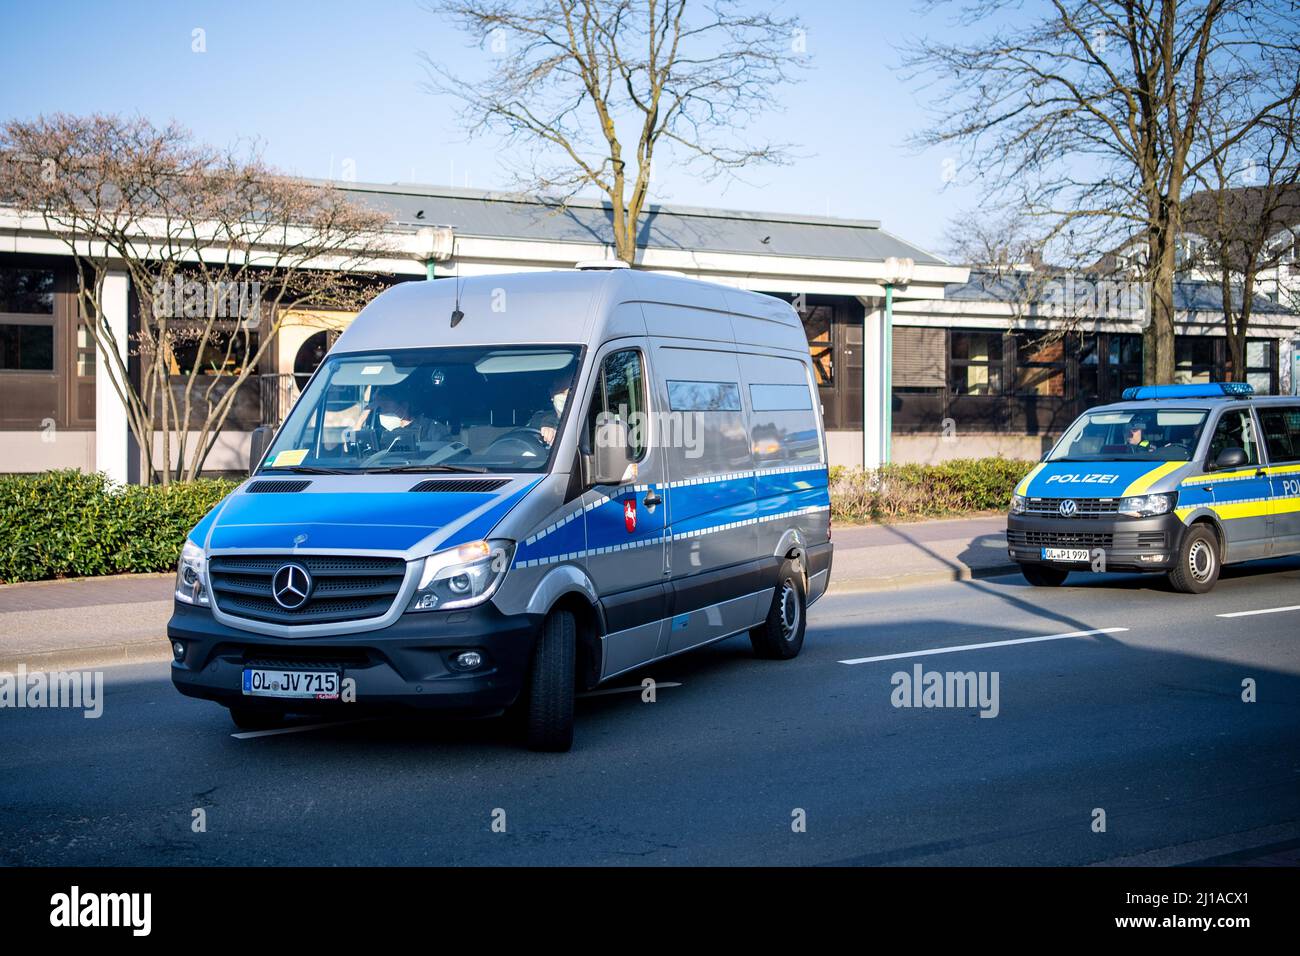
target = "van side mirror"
x: 258, y: 442
x: 611, y: 458
x: 1230, y: 458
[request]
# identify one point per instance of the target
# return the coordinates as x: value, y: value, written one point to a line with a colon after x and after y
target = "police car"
x: 1181, y: 479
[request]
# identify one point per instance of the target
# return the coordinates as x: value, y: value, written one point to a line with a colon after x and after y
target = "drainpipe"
x: 434, y: 244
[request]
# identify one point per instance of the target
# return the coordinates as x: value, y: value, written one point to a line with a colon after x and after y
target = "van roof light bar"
x: 1204, y: 390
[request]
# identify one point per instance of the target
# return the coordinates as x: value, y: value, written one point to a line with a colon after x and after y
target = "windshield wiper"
x: 307, y: 470
x: 398, y: 469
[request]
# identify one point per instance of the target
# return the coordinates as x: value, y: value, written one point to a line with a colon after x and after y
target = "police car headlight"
x: 1018, y: 504
x: 1147, y: 506
x: 192, y: 575
x: 462, y: 576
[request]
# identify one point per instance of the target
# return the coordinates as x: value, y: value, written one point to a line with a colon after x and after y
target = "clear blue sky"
x: 323, y: 81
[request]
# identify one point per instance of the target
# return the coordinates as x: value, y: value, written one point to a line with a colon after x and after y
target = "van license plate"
x: 312, y: 685
x: 1066, y: 554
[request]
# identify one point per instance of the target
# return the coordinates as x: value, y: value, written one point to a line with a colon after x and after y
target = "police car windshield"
x: 487, y: 408
x: 1139, y: 433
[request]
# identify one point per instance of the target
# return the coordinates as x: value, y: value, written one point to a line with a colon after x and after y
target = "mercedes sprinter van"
x: 498, y: 491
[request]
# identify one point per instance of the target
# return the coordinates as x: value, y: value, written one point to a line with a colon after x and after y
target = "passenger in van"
x: 547, y: 420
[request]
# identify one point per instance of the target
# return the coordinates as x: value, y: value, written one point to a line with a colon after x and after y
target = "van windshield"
x: 480, y: 409
x: 1136, y: 434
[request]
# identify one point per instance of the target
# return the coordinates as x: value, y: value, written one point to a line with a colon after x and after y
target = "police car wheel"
x: 549, y: 713
x: 257, y: 718
x: 1044, y: 576
x: 1198, y: 561
x: 780, y: 637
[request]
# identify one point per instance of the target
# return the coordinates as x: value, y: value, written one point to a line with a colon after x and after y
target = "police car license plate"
x: 312, y: 685
x: 1066, y: 554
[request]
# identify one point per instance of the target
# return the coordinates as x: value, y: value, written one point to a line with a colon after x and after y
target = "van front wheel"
x: 780, y: 636
x: 1198, y: 564
x: 549, y: 713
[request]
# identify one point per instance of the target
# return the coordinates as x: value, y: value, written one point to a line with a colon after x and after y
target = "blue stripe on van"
x: 695, y: 505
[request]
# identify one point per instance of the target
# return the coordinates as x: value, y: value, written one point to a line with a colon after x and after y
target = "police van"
x: 1181, y: 479
x: 499, y: 491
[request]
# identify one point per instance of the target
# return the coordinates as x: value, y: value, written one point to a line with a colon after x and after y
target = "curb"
x: 900, y: 582
x: 155, y: 650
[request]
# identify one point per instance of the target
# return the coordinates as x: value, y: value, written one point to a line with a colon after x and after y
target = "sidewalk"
x: 51, y: 625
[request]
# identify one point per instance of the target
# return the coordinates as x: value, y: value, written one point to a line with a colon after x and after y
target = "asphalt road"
x: 1146, y: 723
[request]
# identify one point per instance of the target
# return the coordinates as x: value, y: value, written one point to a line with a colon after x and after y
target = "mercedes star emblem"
x: 291, y: 586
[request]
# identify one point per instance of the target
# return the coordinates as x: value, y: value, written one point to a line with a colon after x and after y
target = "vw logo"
x: 1068, y: 509
x: 291, y: 586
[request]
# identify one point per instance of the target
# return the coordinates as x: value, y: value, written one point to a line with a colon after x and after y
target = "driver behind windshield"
x: 547, y: 420
x: 1137, y: 432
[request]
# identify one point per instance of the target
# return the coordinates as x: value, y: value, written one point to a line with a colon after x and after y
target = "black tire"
x: 1199, y: 561
x: 548, y: 715
x: 257, y: 718
x: 780, y: 636
x: 1044, y: 575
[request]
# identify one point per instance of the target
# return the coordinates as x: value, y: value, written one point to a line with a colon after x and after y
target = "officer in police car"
x: 1137, y: 430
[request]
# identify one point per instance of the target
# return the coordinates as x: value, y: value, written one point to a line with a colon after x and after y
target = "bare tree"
x: 590, y: 90
x: 1246, y: 213
x: 216, y: 246
x: 1089, y: 114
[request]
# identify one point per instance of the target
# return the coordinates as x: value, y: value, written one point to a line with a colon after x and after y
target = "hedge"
x: 71, y: 524
x: 896, y: 492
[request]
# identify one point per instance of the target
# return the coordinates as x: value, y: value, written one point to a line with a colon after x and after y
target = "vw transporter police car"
x: 499, y: 490
x: 1180, y: 478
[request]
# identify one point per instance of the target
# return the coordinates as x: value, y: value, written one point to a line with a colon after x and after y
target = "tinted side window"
x: 1235, y: 430
x: 620, y: 393
x: 1282, y: 433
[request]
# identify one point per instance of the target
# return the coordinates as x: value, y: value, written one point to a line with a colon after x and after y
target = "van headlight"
x: 1018, y: 504
x: 191, y: 575
x: 462, y: 576
x: 1147, y: 506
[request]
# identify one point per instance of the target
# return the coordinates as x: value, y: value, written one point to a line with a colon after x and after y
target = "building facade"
x: 982, y: 363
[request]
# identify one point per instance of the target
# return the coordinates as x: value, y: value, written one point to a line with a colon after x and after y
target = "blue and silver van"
x: 499, y: 491
x: 1181, y: 479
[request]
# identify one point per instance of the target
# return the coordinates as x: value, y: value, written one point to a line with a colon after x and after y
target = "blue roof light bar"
x: 1205, y: 390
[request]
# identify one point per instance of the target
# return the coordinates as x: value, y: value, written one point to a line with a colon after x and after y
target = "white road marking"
x: 977, y: 647
x: 297, y: 728
x: 1267, y: 610
x: 626, y: 690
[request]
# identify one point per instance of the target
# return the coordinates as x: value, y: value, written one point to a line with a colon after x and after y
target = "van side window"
x: 620, y: 393
x: 1281, y: 433
x: 1235, y: 430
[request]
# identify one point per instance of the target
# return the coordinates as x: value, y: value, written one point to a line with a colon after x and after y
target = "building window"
x: 1041, y: 364
x: 976, y: 363
x: 26, y: 348
x: 27, y: 291
x: 1194, y: 361
x: 817, y: 324
x: 1259, y: 365
x: 919, y: 359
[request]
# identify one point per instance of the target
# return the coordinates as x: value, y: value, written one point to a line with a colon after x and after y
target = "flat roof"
x: 504, y: 215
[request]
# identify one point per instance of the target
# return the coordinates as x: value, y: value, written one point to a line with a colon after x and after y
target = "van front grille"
x: 343, y: 588
x: 1087, y: 507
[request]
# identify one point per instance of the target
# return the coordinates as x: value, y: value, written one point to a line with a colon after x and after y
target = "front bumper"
x: 405, y: 665
x: 1125, y: 544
